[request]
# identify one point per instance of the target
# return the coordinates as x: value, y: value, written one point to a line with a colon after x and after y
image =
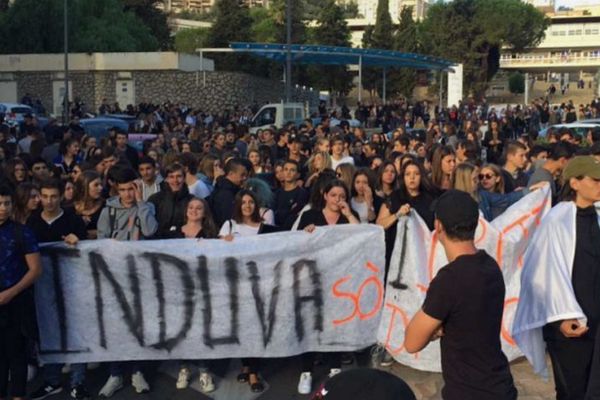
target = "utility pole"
x: 66, y: 40
x: 288, y: 60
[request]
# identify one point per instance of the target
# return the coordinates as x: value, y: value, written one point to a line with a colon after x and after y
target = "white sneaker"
x: 207, y: 384
x: 305, y: 384
x: 334, y: 371
x: 139, y: 383
x: 183, y: 379
x: 113, y: 384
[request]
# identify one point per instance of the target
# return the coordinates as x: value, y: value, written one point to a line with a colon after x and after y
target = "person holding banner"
x: 55, y: 224
x: 560, y: 287
x: 335, y: 211
x: 20, y: 266
x: 464, y: 306
x: 247, y: 222
x: 127, y: 217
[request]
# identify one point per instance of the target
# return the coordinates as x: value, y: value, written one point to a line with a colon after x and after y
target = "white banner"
x: 418, y: 256
x: 263, y: 296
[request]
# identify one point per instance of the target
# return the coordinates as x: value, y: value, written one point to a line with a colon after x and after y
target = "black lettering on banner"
x: 55, y: 253
x: 133, y: 318
x: 188, y: 300
x: 267, y: 330
x: 231, y: 273
x: 316, y: 297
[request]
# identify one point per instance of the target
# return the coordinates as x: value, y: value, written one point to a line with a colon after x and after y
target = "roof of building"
x: 332, y: 55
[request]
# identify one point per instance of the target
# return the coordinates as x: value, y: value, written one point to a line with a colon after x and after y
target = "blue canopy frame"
x: 333, y: 55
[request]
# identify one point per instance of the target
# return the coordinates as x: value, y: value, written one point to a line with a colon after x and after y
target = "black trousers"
x: 334, y: 359
x: 13, y: 350
x: 571, y: 364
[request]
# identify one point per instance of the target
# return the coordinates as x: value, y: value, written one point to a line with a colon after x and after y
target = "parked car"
x: 99, y: 127
x: 14, y: 113
x: 579, y: 128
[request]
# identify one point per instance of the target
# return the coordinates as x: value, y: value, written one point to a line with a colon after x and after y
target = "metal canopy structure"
x: 332, y: 55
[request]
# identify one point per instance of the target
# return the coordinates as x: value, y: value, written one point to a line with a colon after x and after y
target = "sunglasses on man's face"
x: 486, y: 176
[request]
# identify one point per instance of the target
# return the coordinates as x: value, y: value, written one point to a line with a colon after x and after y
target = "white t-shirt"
x: 268, y: 216
x: 199, y: 189
x: 361, y: 209
x: 235, y: 229
x: 344, y: 160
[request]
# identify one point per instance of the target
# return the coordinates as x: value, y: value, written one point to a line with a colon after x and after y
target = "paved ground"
x: 282, y: 375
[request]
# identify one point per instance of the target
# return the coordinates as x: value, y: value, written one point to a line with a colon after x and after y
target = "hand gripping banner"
x: 263, y: 296
x: 417, y: 257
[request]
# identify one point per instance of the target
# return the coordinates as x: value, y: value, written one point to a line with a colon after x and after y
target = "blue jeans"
x: 52, y: 374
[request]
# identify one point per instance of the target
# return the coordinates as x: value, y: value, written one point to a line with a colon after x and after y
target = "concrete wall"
x: 222, y: 90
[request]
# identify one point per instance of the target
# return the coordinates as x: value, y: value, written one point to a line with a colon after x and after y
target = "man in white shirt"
x: 337, y: 153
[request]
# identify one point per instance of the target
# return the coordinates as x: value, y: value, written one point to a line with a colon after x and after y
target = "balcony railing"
x: 567, y: 59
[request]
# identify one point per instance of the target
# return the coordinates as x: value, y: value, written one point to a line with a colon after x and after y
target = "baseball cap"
x: 364, y: 384
x: 582, y: 166
x: 456, y: 208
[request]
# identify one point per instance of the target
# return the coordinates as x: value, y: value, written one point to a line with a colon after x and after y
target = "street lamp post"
x: 288, y: 58
x: 66, y: 40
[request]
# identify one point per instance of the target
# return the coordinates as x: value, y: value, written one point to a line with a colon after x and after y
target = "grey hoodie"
x: 134, y: 223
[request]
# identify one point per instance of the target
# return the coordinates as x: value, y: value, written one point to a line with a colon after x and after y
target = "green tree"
x: 94, y: 26
x: 232, y: 24
x: 516, y: 83
x: 188, y: 40
x: 379, y: 36
x: 473, y: 32
x: 331, y: 30
x: 403, y: 80
x: 154, y: 18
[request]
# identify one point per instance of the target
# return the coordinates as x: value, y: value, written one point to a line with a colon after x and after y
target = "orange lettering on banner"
x: 404, y: 319
x: 504, y: 333
x: 434, y: 240
x: 356, y: 297
x: 535, y: 212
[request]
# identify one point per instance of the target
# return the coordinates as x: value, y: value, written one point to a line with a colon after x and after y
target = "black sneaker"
x: 80, y: 393
x: 46, y: 391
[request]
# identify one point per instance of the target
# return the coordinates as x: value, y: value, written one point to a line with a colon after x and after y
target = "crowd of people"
x: 206, y: 176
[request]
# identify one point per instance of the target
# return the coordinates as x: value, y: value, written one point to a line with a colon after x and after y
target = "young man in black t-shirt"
x: 464, y: 307
x: 290, y: 199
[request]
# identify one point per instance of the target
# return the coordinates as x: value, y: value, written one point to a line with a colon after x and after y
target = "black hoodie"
x: 170, y: 209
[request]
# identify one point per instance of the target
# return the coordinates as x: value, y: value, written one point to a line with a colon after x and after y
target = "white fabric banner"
x: 263, y: 296
x: 417, y: 257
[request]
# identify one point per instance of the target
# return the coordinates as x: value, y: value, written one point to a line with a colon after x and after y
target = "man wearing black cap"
x: 464, y: 307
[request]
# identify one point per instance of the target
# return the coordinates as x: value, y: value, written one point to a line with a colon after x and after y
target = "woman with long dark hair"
x: 27, y: 200
x: 442, y: 166
x: 247, y: 221
x: 88, y: 201
x: 364, y: 200
x: 386, y: 179
x: 333, y: 211
x: 69, y: 156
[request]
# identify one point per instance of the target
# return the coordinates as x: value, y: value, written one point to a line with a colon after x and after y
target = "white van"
x: 277, y: 115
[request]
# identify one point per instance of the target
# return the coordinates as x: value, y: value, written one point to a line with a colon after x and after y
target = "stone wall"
x: 222, y: 90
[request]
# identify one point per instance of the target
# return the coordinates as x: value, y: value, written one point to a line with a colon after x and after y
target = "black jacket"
x: 222, y: 200
x: 170, y: 209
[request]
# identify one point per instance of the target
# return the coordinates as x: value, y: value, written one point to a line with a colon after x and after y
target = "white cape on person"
x: 546, y: 288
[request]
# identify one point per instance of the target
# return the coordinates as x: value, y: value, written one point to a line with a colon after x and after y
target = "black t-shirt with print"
x: 468, y: 296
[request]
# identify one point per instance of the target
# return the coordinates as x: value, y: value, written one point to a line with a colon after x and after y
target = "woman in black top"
x: 416, y: 192
x: 88, y: 200
x: 199, y: 223
x: 334, y: 211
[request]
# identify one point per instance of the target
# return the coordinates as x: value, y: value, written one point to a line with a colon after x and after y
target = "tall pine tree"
x: 232, y: 24
x: 332, y: 30
x: 379, y: 36
x: 403, y: 80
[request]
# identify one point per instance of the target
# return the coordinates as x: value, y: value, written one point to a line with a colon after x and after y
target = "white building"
x: 368, y: 8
